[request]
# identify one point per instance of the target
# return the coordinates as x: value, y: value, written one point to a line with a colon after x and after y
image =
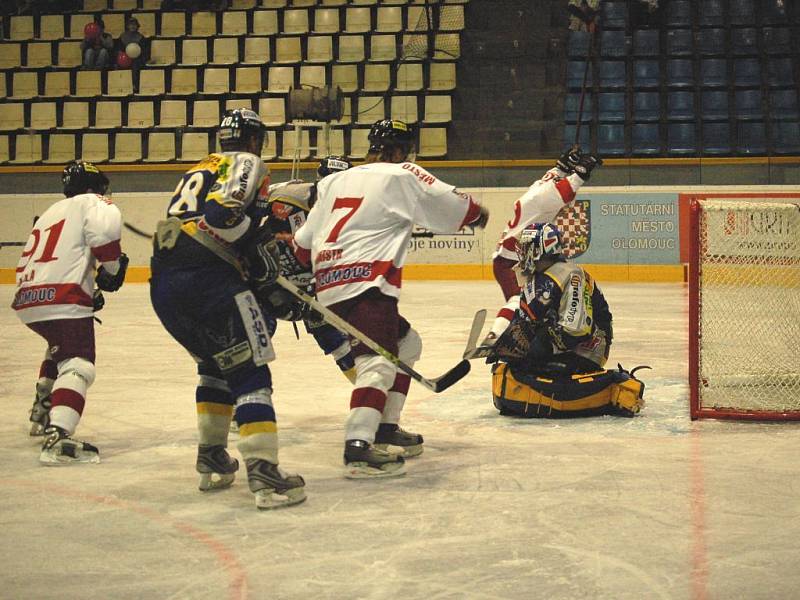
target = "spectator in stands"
x: 130, y: 36
x: 96, y: 45
x: 582, y: 14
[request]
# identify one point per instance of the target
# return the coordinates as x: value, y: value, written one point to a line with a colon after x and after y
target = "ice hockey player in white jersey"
x: 356, y: 238
x: 56, y: 278
x: 211, y: 265
x: 541, y: 203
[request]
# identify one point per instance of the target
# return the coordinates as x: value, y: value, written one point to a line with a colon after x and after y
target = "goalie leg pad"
x: 580, y: 395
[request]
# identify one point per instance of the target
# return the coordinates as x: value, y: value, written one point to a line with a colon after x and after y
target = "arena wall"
x: 620, y: 233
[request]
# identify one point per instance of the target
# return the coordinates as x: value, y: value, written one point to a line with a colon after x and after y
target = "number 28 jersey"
x: 55, y: 274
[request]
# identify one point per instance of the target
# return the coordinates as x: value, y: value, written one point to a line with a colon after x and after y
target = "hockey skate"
x: 410, y: 444
x: 364, y: 461
x: 273, y: 487
x: 60, y: 449
x: 40, y: 415
x: 215, y: 461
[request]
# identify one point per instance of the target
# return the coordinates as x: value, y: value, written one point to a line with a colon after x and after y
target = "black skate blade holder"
x: 436, y: 385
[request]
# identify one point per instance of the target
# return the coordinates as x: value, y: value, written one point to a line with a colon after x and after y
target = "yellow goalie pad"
x: 581, y: 395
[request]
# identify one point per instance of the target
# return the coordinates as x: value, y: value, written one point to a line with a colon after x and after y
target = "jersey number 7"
x: 350, y: 203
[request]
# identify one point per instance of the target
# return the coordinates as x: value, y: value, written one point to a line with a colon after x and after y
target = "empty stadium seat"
x: 75, y: 115
x: 432, y: 142
x: 87, y: 84
x: 248, y: 80
x: 205, y: 113
x: 584, y: 134
x: 572, y: 107
x: 578, y: 44
x: 645, y: 139
x: 21, y: 28
x: 451, y: 18
x: 12, y: 116
x: 270, y: 148
x: 748, y: 105
x: 172, y: 114
x: 39, y: 54
x: 714, y: 105
x: 773, y: 12
x: 377, y: 77
x: 160, y: 147
x: 295, y: 21
x: 646, y: 106
x: 127, y: 147
x: 577, y: 71
x: 194, y: 52
x: 141, y: 115
x: 370, y: 109
x: 786, y: 137
x: 783, y: 105
x: 742, y: 12
x: 234, y: 22
x: 194, y: 146
x: 611, y: 139
x: 438, y: 109
x: 94, y: 147
x: 382, y: 47
x: 351, y: 48
x: 119, y: 83
x: 43, y: 115
x: 711, y: 42
x: 11, y: 55
x: 646, y: 42
x: 442, y: 76
x: 611, y: 74
x: 404, y: 108
x: 744, y: 41
x: 51, y: 27
x: 24, y: 85
x: 29, y: 148
x: 680, y: 106
x: 288, y: 50
x: 417, y: 19
x: 184, y: 81
x: 162, y: 52
x: 346, y: 77
x: 173, y: 24
x: 714, y: 72
x: 333, y: 145
x: 389, y: 19
x: 147, y: 23
x: 358, y: 143
x: 446, y: 46
x: 226, y: 51
x: 291, y: 149
x: 711, y: 13
x: 4, y: 149
x: 680, y: 42
x: 777, y: 40
x: 357, y: 19
x: 751, y: 138
x: 312, y: 76
x: 108, y: 114
x: 326, y: 20
x: 265, y: 22
x: 409, y: 77
x: 613, y: 43
x: 319, y: 49
x: 69, y: 54
x: 646, y: 74
x: 151, y: 82
x: 680, y: 73
x: 681, y: 138
x: 56, y: 84
x: 611, y: 107
x: 280, y: 79
x: 256, y: 51
x: 272, y: 111
x: 716, y: 138
x: 679, y: 13
x: 613, y: 15
x: 747, y: 72
x: 61, y: 148
x: 780, y: 72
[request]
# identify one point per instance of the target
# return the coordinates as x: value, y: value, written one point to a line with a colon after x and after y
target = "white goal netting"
x: 746, y: 287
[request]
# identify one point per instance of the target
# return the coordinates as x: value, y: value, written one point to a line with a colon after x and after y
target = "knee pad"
x: 215, y: 383
x: 410, y: 347
x: 77, y: 367
x: 375, y: 372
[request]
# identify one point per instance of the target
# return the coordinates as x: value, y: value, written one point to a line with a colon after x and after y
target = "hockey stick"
x: 437, y: 384
x: 576, y: 145
x: 475, y: 331
x: 136, y: 230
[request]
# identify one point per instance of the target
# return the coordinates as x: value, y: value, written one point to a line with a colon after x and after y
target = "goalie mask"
x: 538, y: 241
x: 388, y: 134
x: 332, y: 164
x: 80, y: 176
x: 241, y: 129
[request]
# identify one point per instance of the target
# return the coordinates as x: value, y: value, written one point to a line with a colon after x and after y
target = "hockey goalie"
x: 549, y: 362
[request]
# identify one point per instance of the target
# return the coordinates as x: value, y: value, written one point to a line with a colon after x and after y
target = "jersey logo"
x: 281, y: 210
x: 574, y: 222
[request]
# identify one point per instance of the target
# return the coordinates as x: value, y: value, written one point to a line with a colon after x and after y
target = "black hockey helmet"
x: 238, y: 127
x: 387, y: 134
x: 332, y: 164
x: 80, y: 176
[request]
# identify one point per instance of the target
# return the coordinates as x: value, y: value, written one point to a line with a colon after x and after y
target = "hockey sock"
x: 258, y: 432
x: 504, y: 316
x: 214, y: 410
x: 75, y: 375
x: 396, y: 399
x: 48, y: 372
x: 374, y: 376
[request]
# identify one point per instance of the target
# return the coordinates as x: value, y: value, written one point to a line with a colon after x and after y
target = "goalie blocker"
x: 603, y: 392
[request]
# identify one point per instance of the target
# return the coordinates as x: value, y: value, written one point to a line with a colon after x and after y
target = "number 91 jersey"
x: 223, y: 195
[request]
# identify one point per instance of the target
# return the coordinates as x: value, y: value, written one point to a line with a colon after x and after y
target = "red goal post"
x: 744, y: 306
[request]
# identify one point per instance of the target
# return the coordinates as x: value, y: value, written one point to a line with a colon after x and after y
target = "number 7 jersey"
x: 55, y: 274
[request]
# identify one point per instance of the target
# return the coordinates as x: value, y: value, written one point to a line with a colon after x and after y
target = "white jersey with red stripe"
x: 358, y: 231
x: 541, y: 203
x: 55, y: 274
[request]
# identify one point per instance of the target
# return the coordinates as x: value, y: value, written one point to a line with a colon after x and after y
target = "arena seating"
x: 390, y: 58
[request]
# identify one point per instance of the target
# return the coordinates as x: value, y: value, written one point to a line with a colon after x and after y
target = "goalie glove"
x: 567, y: 161
x: 111, y: 283
x: 262, y: 261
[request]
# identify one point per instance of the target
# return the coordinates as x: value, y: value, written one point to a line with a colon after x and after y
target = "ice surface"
x: 496, y: 508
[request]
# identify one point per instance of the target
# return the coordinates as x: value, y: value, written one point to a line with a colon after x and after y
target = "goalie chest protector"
x: 604, y: 392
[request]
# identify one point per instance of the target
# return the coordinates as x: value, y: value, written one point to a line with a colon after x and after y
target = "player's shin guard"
x: 502, y: 321
x: 374, y: 377
x: 40, y: 411
x: 214, y: 404
x: 75, y: 375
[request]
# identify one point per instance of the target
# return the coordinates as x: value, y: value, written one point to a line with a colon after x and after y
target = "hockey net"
x: 744, y: 308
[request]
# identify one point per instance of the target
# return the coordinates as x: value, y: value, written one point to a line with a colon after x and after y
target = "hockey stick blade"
x: 435, y: 385
x: 475, y: 331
